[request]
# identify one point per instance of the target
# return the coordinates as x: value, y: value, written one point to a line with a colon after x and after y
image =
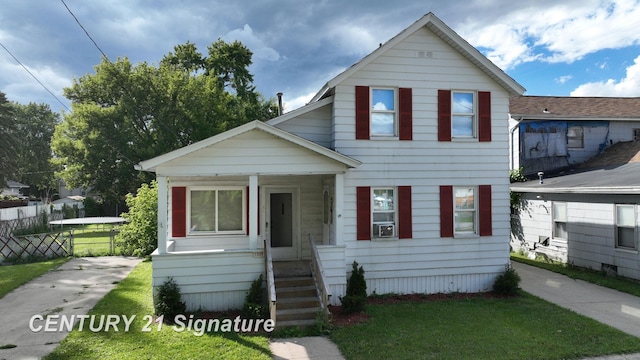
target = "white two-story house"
x: 399, y: 163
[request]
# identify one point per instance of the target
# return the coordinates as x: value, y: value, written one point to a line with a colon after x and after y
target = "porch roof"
x: 252, y: 148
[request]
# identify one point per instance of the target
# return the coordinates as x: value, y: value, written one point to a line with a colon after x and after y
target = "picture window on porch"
x: 465, y: 210
x: 626, y: 227
x: 559, y: 211
x: 217, y: 210
x: 383, y: 212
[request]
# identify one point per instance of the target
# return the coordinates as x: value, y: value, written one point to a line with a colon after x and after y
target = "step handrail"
x: 271, y: 283
x: 321, y: 282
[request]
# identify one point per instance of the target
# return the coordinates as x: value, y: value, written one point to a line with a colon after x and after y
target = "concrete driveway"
x: 71, y: 290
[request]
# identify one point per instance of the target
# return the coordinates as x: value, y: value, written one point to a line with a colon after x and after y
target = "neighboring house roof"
x: 445, y: 33
x: 16, y: 185
x: 151, y: 164
x: 616, y: 171
x: 554, y: 107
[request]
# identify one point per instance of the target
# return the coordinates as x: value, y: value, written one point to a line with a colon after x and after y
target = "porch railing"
x: 321, y: 281
x: 271, y: 283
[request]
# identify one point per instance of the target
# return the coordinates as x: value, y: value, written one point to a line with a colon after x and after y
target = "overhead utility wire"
x: 85, y: 31
x: 33, y: 76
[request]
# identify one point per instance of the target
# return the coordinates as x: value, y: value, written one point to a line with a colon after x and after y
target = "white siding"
x: 212, y: 281
x: 591, y: 235
x: 332, y: 258
x: 594, y: 139
x: 314, y: 126
x: 426, y: 263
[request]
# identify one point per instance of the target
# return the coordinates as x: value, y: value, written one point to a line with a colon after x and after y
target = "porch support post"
x: 339, y: 203
x: 162, y: 214
x: 253, y: 212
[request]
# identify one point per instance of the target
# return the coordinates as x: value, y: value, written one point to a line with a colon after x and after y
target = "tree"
x: 35, y: 124
x: 124, y: 114
x: 139, y: 235
x: 8, y: 141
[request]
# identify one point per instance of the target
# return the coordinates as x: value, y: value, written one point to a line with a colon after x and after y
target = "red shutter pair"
x: 485, y: 226
x: 363, y: 210
x: 405, y: 113
x: 444, y: 115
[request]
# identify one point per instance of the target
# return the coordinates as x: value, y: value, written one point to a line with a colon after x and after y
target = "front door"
x: 281, y: 224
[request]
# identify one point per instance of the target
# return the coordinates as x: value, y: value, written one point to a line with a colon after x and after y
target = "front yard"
x: 452, y: 327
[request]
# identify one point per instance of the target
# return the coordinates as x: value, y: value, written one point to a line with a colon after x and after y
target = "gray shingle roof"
x: 575, y: 107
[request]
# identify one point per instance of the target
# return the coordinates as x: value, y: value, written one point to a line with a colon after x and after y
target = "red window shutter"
x: 484, y: 216
x: 444, y: 115
x: 446, y: 211
x: 179, y: 211
x: 405, y: 230
x: 405, y: 110
x: 363, y: 210
x: 362, y: 113
x: 484, y: 116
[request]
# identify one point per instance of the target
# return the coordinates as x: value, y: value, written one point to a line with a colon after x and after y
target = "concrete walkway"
x: 72, y: 289
x: 306, y: 348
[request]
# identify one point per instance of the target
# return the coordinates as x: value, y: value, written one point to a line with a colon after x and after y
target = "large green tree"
x: 126, y: 113
x: 35, y: 124
x: 8, y: 141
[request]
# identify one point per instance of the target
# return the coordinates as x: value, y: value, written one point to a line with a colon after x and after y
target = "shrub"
x: 168, y: 301
x: 507, y: 283
x: 139, y: 236
x: 356, y: 296
x: 254, y: 306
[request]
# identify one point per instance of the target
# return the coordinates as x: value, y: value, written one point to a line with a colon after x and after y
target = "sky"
x: 551, y: 47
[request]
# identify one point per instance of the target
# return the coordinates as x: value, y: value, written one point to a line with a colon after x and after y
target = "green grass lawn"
x: 133, y: 296
x: 91, y: 242
x: 596, y: 277
x: 525, y: 327
x: 12, y: 276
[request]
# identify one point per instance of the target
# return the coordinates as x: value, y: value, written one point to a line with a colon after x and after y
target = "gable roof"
x: 152, y: 164
x: 444, y: 32
x: 565, y: 107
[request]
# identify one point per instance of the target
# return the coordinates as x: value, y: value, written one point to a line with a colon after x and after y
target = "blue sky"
x: 551, y: 47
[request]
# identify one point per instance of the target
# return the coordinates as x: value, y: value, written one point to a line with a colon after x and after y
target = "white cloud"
x: 259, y: 48
x: 297, y: 102
x: 563, y: 79
x: 628, y: 86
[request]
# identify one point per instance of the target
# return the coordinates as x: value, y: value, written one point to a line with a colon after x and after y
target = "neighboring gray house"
x: 550, y: 133
x: 13, y: 189
x: 587, y: 216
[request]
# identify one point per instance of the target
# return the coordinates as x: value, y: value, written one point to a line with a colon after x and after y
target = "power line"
x: 85, y: 31
x: 33, y: 76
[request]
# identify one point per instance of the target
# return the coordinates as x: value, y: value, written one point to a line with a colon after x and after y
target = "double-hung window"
x: 559, y: 214
x: 575, y: 137
x: 626, y: 227
x: 383, y: 212
x: 383, y: 112
x: 464, y: 215
x: 217, y: 210
x: 463, y: 114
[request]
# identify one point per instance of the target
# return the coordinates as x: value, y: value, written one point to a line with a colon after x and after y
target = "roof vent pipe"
x: 279, y: 103
x: 540, y: 175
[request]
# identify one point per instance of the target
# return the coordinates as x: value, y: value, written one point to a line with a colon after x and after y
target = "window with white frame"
x: 575, y: 137
x: 464, y: 215
x: 383, y: 211
x: 559, y: 214
x: 463, y: 114
x: 383, y: 112
x: 217, y: 210
x: 626, y: 226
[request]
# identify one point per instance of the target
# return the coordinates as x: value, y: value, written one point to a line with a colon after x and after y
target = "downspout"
x: 512, y: 131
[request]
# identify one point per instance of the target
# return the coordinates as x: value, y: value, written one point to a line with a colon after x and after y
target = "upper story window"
x: 559, y: 215
x: 383, y: 112
x: 626, y: 227
x: 575, y: 137
x: 464, y: 216
x: 463, y: 114
x: 216, y: 210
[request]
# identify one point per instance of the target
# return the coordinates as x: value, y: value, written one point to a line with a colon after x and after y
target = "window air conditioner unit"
x: 386, y: 230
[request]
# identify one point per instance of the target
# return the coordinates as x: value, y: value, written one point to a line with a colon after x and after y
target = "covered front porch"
x: 221, y: 200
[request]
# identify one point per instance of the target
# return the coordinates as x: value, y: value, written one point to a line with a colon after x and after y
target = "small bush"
x: 168, y: 301
x: 356, y: 296
x: 507, y: 283
x: 254, y: 307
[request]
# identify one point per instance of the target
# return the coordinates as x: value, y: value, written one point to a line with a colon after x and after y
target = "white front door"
x: 282, y: 223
